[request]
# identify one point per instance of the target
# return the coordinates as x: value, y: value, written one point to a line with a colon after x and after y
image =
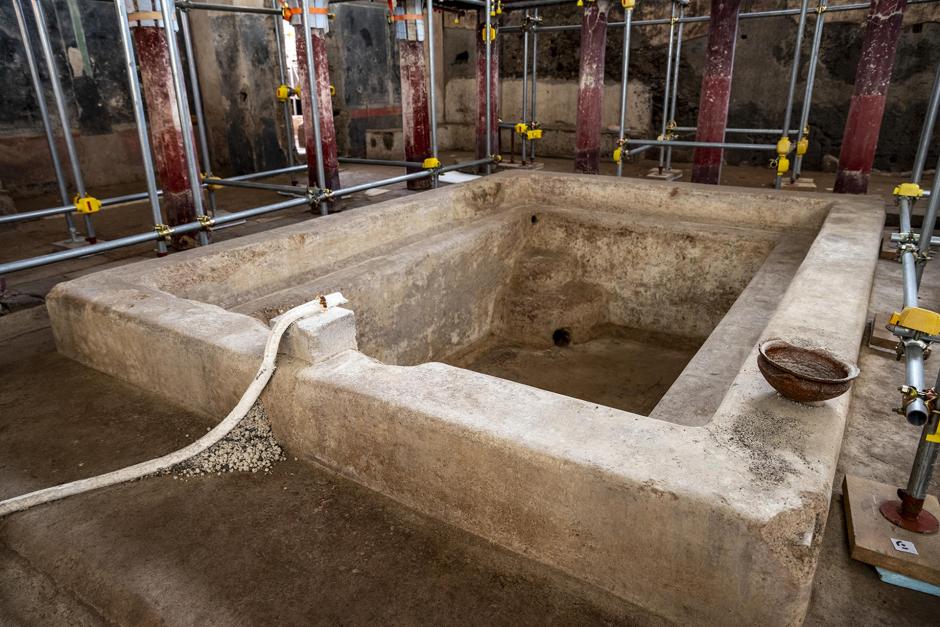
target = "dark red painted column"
x: 416, y: 120
x: 481, y: 88
x: 587, y: 154
x: 165, y: 127
x: 860, y: 138
x: 327, y: 128
x: 716, y: 90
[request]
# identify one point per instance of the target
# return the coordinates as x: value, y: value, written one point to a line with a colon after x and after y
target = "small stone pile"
x: 249, y: 447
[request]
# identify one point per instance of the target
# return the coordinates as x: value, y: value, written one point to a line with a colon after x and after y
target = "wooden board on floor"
x: 871, y: 535
x: 881, y: 337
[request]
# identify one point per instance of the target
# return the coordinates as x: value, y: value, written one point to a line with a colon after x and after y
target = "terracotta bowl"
x: 805, y: 375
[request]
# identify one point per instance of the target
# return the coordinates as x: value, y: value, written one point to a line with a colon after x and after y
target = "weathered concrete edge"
x: 422, y: 436
x: 156, y: 338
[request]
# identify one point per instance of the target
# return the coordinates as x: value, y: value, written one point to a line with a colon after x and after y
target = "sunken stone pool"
x: 563, y: 365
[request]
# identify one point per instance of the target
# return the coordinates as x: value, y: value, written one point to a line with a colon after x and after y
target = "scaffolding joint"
x: 164, y: 231
x: 207, y: 177
x: 207, y: 222
x: 284, y: 92
x: 908, y: 190
x: 86, y: 204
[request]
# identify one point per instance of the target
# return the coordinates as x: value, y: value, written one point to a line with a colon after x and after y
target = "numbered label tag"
x: 904, y: 546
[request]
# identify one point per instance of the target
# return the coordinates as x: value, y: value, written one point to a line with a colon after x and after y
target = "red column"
x: 327, y: 129
x: 716, y: 90
x: 587, y: 153
x: 416, y: 122
x: 165, y: 126
x: 481, y: 88
x: 860, y: 138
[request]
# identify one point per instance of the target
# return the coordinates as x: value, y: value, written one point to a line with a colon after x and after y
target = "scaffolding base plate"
x: 874, y: 540
x: 67, y: 244
x: 664, y: 175
x: 800, y: 184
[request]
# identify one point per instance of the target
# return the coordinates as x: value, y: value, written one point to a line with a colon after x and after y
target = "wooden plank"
x: 880, y: 336
x: 870, y: 534
x: 889, y: 250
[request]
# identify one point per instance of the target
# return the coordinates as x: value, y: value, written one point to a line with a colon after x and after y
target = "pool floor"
x: 630, y: 370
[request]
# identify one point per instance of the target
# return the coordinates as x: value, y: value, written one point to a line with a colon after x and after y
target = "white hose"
x: 159, y: 464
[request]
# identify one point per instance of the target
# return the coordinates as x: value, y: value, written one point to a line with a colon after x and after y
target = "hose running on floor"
x: 159, y: 464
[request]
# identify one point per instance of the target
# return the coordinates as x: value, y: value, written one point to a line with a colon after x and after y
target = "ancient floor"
x: 301, y: 545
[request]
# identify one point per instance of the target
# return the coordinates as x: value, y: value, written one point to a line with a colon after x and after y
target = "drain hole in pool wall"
x: 535, y: 219
x: 562, y: 337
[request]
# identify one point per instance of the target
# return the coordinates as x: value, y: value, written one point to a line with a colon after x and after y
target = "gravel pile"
x: 249, y: 447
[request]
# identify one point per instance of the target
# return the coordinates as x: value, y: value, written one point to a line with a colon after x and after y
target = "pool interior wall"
x: 596, y: 305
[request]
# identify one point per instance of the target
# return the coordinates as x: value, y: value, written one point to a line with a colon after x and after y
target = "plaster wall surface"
x: 706, y: 519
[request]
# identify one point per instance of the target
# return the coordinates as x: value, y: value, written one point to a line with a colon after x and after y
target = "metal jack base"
x: 909, y: 514
x: 802, y: 184
x: 664, y: 174
x: 876, y: 538
x: 68, y: 244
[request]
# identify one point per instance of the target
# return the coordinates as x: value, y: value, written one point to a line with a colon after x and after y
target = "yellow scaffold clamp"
x: 618, y: 151
x: 783, y: 149
x: 521, y: 128
x: 492, y: 33
x: 496, y: 9
x: 206, y: 178
x: 284, y: 92
x: 533, y: 133
x: 86, y: 204
x: 908, y: 190
x: 332, y: 91
x: 628, y: 4
x: 803, y: 145
x: 164, y: 231
x: 431, y: 163
x: 917, y: 320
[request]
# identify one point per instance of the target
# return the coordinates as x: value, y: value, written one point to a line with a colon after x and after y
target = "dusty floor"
x: 300, y: 545
x: 630, y: 372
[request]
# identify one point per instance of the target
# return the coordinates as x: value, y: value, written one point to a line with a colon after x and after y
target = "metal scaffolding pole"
x: 693, y: 144
x: 926, y: 133
x: 432, y: 86
x: 624, y: 76
x: 228, y: 8
x: 314, y: 100
x: 488, y: 59
x: 666, y: 92
x: 675, y: 81
x: 197, y: 106
x: 140, y: 117
x: 525, y: 84
x: 57, y: 94
x: 794, y: 75
x: 168, y: 9
x: 44, y: 114
x: 202, y: 225
x: 930, y: 215
x: 282, y: 77
x: 810, y: 83
x: 535, y: 51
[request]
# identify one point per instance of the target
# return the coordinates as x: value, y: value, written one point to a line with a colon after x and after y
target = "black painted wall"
x: 96, y: 94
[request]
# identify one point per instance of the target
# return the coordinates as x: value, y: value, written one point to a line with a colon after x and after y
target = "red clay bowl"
x: 804, y: 375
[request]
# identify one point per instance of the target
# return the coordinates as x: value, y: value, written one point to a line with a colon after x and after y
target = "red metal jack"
x: 909, y: 514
